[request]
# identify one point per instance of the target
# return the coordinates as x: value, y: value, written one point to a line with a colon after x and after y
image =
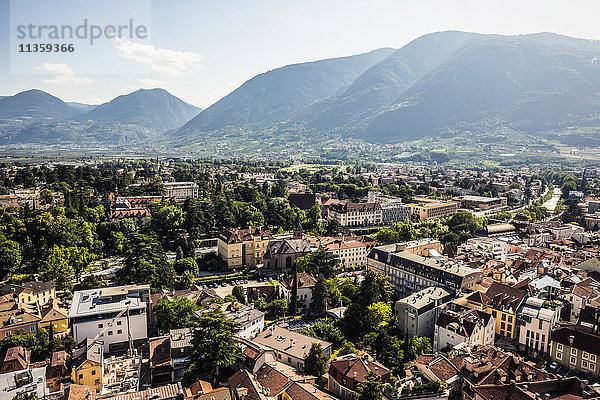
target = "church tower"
x: 297, y: 228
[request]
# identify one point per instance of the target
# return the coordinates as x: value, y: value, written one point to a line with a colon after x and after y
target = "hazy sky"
x: 202, y: 50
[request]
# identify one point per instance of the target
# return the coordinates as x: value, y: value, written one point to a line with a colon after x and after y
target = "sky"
x: 202, y: 50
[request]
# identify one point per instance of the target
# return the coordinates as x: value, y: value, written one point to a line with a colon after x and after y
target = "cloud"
x: 152, y: 83
x: 166, y: 61
x: 66, y: 75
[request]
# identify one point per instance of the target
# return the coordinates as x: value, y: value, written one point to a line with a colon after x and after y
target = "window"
x: 592, y: 357
x: 573, y: 351
x: 573, y: 360
x: 510, y: 319
x: 502, y: 325
x: 80, y: 376
x: 119, y: 331
x: 110, y: 333
x: 559, y: 356
x: 93, y: 372
x: 503, y: 317
x: 118, y: 322
x: 559, y: 347
x: 32, y: 329
x: 100, y: 326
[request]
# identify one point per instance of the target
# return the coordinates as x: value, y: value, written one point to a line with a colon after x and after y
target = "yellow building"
x: 243, y: 247
x: 429, y: 209
x: 53, y: 314
x: 87, y: 364
x: 502, y: 302
x: 33, y: 292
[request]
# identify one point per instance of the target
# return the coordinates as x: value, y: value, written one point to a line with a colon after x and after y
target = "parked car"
x: 553, y: 366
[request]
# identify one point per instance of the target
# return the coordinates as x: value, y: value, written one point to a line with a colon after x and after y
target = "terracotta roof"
x: 80, y: 392
x: 505, y: 297
x: 306, y: 391
x: 288, y: 342
x: 304, y: 280
x: 164, y: 392
x: 160, y: 350
x: 354, y: 368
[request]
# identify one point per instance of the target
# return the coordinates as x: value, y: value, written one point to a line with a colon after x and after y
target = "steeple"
x: 298, y: 228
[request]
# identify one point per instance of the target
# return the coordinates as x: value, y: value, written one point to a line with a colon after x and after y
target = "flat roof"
x: 100, y: 301
x: 37, y: 384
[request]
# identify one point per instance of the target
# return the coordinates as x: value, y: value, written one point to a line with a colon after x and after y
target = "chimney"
x: 400, y: 247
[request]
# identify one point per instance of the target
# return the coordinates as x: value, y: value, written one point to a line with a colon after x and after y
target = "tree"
x: 213, y: 345
x: 325, y: 330
x: 186, y: 264
x: 379, y: 314
x: 418, y: 346
x: 319, y: 299
x: 387, y: 236
x: 347, y: 348
x: 176, y: 313
x: 277, y: 307
x: 58, y: 268
x: 371, y: 388
x: 315, y: 362
x: 294, y: 296
x: 93, y: 282
x: 145, y: 262
x: 261, y: 304
x: 10, y: 258
x: 239, y: 293
x: 374, y: 288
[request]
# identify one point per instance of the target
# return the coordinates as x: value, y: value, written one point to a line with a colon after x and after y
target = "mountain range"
x: 440, y: 84
x: 35, y: 116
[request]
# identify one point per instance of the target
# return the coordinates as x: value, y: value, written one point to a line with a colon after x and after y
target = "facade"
x: 33, y: 292
x: 181, y: 190
x: 95, y: 312
x: 243, y: 247
x: 168, y: 356
x: 87, y: 365
x: 576, y: 348
x: 416, y: 314
x: 306, y: 284
x: 504, y: 302
x: 471, y: 327
x: 55, y: 316
x: 281, y: 254
x: 395, y: 212
x: 351, y: 250
x: 251, y: 320
x: 410, y: 273
x: 17, y: 319
x: 536, y: 323
x: 351, y: 214
x: 348, y: 371
x: 430, y: 209
x: 291, y: 348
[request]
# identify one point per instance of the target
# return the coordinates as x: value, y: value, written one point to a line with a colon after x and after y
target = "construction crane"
x: 109, y: 325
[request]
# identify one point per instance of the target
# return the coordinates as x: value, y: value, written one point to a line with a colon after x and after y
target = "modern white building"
x: 536, y: 323
x: 116, y: 312
x: 251, y: 320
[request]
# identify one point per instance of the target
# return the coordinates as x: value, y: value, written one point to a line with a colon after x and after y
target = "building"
x: 169, y: 354
x: 87, y: 364
x: 416, y: 314
x: 58, y: 372
x: 31, y: 381
x: 55, y: 317
x: 33, y: 292
x: 351, y: 250
x: 464, y: 327
x: 536, y: 322
x: 134, y: 208
x: 347, y: 372
x: 243, y: 247
x: 576, y: 348
x: 281, y: 254
x: 181, y: 190
x: 173, y: 391
x: 395, y: 212
x: 251, y: 320
x: 410, y: 273
x: 18, y: 319
x: 430, y: 209
x: 290, y: 347
x: 306, y: 284
x: 480, y: 202
x: 114, y: 313
x: 352, y: 214
x: 503, y: 303
x: 16, y: 359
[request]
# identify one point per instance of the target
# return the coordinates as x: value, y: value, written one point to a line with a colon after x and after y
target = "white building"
x: 417, y: 313
x: 536, y: 323
x: 306, y: 284
x: 181, y: 190
x: 471, y: 327
x: 251, y: 320
x: 94, y: 311
x: 348, y: 213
